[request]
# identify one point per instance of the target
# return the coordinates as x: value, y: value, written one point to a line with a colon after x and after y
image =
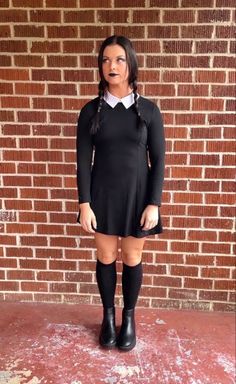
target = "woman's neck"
x: 120, y: 92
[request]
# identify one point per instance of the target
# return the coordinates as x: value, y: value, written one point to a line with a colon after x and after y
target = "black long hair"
x: 131, y: 58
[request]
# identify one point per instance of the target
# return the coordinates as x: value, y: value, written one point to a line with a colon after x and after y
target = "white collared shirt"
x: 112, y: 100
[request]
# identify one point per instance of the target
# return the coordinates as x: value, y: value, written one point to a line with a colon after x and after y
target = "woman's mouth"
x: 113, y: 74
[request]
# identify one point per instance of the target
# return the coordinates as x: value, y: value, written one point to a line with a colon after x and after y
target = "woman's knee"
x: 131, y: 258
x: 106, y: 248
x: 131, y: 250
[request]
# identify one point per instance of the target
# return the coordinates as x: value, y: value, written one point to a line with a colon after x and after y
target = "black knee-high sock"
x: 131, y: 284
x: 106, y: 280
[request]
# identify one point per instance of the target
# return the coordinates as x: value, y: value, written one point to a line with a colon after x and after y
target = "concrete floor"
x: 57, y: 344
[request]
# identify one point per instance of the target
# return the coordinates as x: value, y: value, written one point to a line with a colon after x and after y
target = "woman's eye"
x: 105, y: 60
x: 120, y: 59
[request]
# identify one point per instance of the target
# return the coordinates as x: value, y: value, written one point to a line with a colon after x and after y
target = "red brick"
x: 202, y: 211
x: 176, y: 159
x: 186, y: 247
x: 225, y: 285
x: 61, y: 89
x: 184, y: 270
x: 33, y: 143
x: 46, y: 74
x: 132, y: 32
x: 17, y: 180
x: 28, y: 3
x: 161, y: 90
x: 208, y: 104
x: 194, y: 61
x: 28, y: 30
x: 88, y: 62
x: 221, y: 119
x: 177, y: 46
x: 178, y: 16
x: 113, y: 16
x: 5, y: 31
x: 34, y: 286
x: 213, y: 16
x: 19, y: 228
x: 186, y: 172
x: 197, y: 3
x: 8, y: 192
x: 219, y: 173
x: 225, y: 31
x: 216, y: 248
x: 186, y: 222
x: 58, y: 4
x: 215, y: 272
x: 15, y: 102
x: 29, y: 88
x: 9, y: 286
x: 45, y: 16
x: 219, y: 46
x: 194, y: 198
x: 204, y: 159
x: 49, y: 276
x: 47, y: 181
x: 6, y: 88
x: 210, y: 76
x: 7, y: 240
x: 193, y: 119
x: 39, y: 241
x: 160, y: 61
x: 123, y: 3
x: 95, y: 4
x: 31, y: 116
x: 62, y: 61
x: 223, y: 90
x: 62, y: 117
x: 224, y: 62
x: 230, y: 105
x: 228, y: 186
x: 219, y: 223
x: 146, y: 16
x: 13, y: 16
x: 161, y: 31
x: 202, y: 235
x: 199, y: 260
x: 63, y: 287
x: 20, y: 275
x: 221, y: 199
x: 14, y: 74
x: 192, y: 90
x: 13, y: 46
x: 63, y: 143
x: 196, y: 31
x: 47, y: 103
x: 72, y: 46
x: 79, y: 16
x: 29, y: 61
x: 82, y: 75
x: 91, y: 31
x: 33, y: 193
x: 160, y: 303
x: 5, y: 61
x: 224, y: 307
x: 7, y: 263
x: 205, y: 133
x: 188, y: 294
x: 197, y: 283
x: 45, y: 46
x: 213, y: 295
x: 166, y: 281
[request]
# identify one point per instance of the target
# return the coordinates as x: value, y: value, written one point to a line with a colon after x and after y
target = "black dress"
x: 128, y: 166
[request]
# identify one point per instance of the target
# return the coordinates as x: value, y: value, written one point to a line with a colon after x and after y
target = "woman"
x: 120, y: 189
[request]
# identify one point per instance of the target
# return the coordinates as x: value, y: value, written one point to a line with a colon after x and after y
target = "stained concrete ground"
x: 57, y: 344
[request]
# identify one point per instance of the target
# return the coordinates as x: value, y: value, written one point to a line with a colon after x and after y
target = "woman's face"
x: 114, y: 65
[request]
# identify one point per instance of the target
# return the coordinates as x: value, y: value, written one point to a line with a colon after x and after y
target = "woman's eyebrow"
x: 107, y: 57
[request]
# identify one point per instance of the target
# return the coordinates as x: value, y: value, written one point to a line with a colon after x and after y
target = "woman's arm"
x: 84, y: 163
x: 156, y: 148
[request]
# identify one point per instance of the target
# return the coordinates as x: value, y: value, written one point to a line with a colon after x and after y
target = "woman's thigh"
x: 107, y: 247
x: 131, y: 250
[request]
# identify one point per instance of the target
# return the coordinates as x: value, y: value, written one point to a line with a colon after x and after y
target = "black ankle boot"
x: 107, y: 337
x: 127, y: 337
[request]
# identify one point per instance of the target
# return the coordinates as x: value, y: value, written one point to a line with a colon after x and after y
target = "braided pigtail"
x: 96, y: 120
x: 141, y: 122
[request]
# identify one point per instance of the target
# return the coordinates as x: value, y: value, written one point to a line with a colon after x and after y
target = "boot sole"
x: 127, y: 349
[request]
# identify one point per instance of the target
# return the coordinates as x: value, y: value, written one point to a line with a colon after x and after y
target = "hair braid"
x: 96, y: 120
x: 141, y: 122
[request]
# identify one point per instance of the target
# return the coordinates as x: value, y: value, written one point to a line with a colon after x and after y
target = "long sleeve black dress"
x: 122, y: 181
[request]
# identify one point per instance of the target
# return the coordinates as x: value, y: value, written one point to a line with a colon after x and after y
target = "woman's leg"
x: 131, y: 249
x: 106, y: 279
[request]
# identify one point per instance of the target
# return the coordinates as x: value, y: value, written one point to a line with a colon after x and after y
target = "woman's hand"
x: 149, y: 217
x: 87, y: 218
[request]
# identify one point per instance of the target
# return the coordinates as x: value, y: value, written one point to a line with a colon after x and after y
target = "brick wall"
x: 48, y: 71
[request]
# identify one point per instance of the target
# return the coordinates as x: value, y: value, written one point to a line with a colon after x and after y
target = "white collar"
x: 112, y: 100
